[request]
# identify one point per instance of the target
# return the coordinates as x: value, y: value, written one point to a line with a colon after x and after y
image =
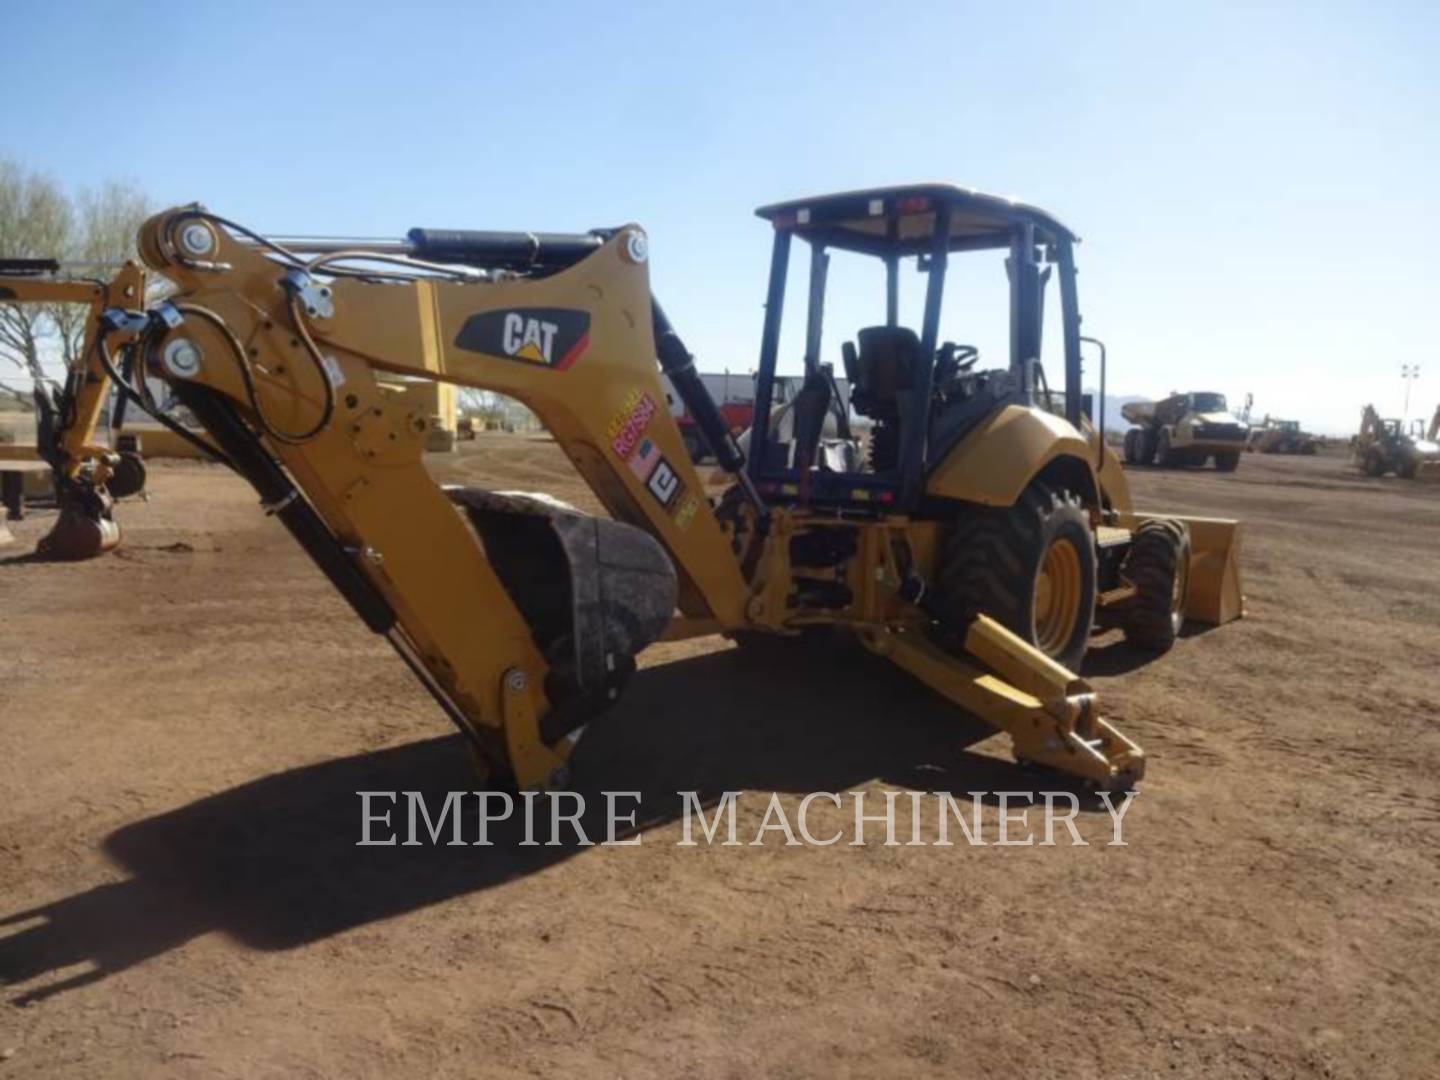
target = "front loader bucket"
x: 1214, y: 595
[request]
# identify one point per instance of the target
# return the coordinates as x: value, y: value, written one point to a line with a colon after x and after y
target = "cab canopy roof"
x: 901, y: 220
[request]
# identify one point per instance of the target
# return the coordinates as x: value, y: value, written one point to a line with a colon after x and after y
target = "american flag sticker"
x: 644, y: 458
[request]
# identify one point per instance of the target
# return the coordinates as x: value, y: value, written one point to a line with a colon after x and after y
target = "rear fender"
x: 996, y: 460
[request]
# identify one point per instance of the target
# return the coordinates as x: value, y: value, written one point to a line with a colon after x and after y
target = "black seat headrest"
x: 879, y: 343
x: 888, y: 360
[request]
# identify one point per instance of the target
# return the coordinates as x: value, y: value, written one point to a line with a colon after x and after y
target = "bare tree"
x: 35, y: 222
x: 38, y: 219
x: 105, y: 223
x: 482, y: 403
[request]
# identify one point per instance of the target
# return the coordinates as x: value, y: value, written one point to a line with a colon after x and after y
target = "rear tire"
x: 1132, y: 446
x: 1158, y: 565
x: 1227, y: 461
x: 1031, y: 567
x: 1374, y: 464
x: 1146, y: 443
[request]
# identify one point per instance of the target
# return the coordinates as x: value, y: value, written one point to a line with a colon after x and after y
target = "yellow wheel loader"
x: 974, y: 542
x: 1274, y: 436
x: 86, y: 477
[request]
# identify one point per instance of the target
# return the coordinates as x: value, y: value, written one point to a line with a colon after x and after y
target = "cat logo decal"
x: 550, y: 337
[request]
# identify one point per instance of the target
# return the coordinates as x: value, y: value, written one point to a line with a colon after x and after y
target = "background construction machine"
x: 85, y: 477
x: 1386, y: 446
x: 975, y: 544
x: 1274, y: 436
x: 733, y: 394
x: 1184, y: 429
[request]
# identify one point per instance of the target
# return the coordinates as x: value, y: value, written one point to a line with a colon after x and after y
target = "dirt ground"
x: 186, y: 724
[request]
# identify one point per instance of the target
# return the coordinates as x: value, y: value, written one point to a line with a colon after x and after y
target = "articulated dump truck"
x: 1184, y: 429
x: 975, y: 538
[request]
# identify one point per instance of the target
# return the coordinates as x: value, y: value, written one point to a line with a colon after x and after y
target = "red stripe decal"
x: 574, y: 353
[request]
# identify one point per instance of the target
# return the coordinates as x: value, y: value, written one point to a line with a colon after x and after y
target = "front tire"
x: 1167, y: 457
x: 1158, y: 565
x: 1228, y: 460
x: 1031, y: 567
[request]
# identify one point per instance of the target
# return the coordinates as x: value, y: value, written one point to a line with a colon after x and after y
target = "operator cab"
x: 1208, y: 403
x: 919, y: 394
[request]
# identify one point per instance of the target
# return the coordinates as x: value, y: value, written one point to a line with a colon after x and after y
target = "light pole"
x: 1408, y: 372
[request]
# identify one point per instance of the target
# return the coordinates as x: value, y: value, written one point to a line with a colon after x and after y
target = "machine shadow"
x: 1111, y: 654
x: 275, y: 864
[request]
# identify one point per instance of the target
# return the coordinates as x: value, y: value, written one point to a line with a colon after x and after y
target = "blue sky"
x: 1258, y: 186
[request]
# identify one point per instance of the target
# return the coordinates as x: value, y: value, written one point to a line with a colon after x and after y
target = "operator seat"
x: 882, y: 375
x: 884, y: 367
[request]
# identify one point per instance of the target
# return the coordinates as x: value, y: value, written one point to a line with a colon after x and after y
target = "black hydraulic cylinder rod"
x: 504, y: 250
x: 679, y: 365
x: 29, y: 266
x: 122, y: 402
x: 283, y: 499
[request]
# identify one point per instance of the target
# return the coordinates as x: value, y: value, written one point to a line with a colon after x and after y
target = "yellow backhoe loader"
x: 974, y: 542
x: 86, y: 477
x: 1386, y: 446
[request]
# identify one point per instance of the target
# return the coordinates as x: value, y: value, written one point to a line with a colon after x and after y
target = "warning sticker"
x: 630, y: 423
x: 685, y: 510
x: 664, y: 483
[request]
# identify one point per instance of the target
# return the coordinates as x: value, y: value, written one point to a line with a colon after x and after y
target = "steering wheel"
x: 957, y: 358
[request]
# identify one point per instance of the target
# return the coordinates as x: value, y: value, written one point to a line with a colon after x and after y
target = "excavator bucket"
x: 594, y: 592
x: 84, y: 528
x: 76, y: 536
x: 1213, y: 594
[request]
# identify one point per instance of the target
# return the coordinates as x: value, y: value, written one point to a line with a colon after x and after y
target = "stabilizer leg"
x: 1050, y: 713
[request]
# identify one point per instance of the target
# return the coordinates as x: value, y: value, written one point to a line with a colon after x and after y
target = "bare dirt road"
x: 184, y: 726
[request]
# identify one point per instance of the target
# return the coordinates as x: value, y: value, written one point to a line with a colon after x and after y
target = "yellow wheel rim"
x: 1057, y: 597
